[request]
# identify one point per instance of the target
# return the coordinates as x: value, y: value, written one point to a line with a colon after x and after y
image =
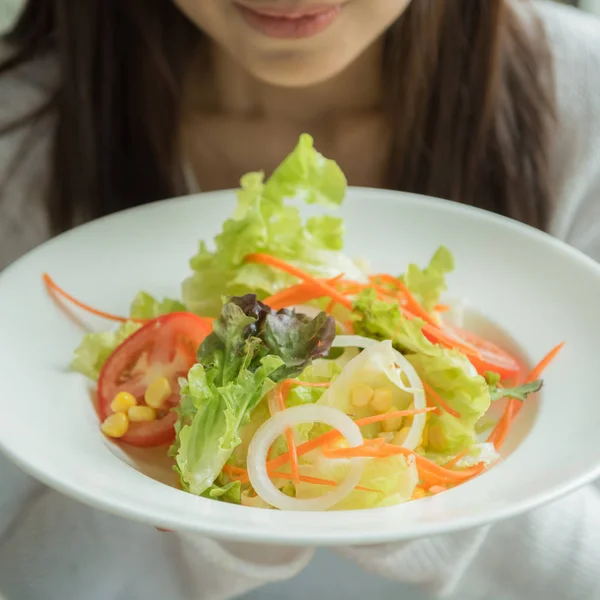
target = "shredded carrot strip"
x: 412, y: 303
x: 303, y: 479
x: 432, y: 470
x: 440, y: 401
x: 289, y: 433
x: 428, y: 470
x: 539, y: 369
x: 503, y: 427
x: 365, y: 451
x: 325, y: 438
x: 332, y: 436
x: 513, y: 406
x: 437, y: 489
x: 315, y: 288
x: 453, y: 462
x: 300, y: 293
x: 277, y: 263
x: 54, y: 288
x: 392, y: 415
x: 282, y: 393
x: 441, y: 308
x: 242, y: 475
x: 437, y: 335
x: 352, y: 288
x: 374, y: 442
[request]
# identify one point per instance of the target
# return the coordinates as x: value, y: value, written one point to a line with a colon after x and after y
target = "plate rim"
x: 270, y: 535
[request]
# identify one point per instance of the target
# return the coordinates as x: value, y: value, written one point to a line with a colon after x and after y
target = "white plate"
x: 536, y: 289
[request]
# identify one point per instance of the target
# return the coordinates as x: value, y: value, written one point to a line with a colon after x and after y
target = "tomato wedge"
x: 164, y: 347
x: 486, y: 355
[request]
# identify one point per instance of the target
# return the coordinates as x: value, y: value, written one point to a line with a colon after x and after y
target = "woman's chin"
x: 295, y: 70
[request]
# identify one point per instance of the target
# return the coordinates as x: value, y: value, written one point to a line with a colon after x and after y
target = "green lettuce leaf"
x: 448, y: 372
x: 264, y: 222
x: 429, y: 283
x: 228, y: 492
x: 393, y: 479
x: 95, y: 348
x: 382, y: 320
x: 320, y: 371
x: 250, y: 349
x: 453, y: 378
x: 145, y: 306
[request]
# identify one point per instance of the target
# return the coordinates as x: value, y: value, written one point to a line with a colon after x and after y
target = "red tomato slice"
x: 487, y: 356
x: 164, y: 347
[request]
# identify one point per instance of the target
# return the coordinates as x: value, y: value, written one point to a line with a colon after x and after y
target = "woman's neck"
x: 232, y: 123
x: 231, y: 89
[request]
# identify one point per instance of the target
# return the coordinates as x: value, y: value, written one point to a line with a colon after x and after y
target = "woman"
x: 107, y: 104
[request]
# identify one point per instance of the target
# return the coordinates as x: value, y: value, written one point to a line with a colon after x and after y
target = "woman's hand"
x: 551, y: 553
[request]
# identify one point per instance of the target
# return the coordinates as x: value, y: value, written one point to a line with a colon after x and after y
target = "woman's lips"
x: 290, y: 25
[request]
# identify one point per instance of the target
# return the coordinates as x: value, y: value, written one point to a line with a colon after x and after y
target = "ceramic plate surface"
x: 525, y: 289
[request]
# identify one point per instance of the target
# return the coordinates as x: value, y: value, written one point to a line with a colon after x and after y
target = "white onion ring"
x: 269, y: 431
x: 413, y: 439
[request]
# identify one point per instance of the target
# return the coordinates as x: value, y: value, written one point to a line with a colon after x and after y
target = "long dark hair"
x: 469, y: 99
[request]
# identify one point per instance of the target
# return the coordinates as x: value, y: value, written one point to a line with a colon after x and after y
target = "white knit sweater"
x: 53, y: 548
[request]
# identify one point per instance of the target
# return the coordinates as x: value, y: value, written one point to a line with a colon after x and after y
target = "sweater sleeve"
x: 23, y: 158
x: 576, y: 151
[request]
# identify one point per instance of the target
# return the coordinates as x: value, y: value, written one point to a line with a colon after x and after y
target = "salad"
x: 289, y: 376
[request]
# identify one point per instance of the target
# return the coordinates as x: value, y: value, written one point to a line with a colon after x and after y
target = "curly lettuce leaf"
x: 145, y: 306
x: 307, y: 173
x: 448, y: 372
x: 95, y: 348
x: 382, y: 320
x: 452, y: 377
x: 428, y: 284
x: 320, y: 371
x: 264, y: 222
x: 250, y: 350
x: 228, y: 492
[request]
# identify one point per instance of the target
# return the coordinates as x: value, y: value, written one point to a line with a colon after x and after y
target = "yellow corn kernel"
x: 393, y: 424
x: 141, y: 414
x: 158, y: 392
x: 115, y: 425
x: 425, y: 436
x: 401, y: 436
x: 418, y: 493
x: 361, y: 395
x: 122, y: 402
x: 382, y: 400
x: 437, y: 440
